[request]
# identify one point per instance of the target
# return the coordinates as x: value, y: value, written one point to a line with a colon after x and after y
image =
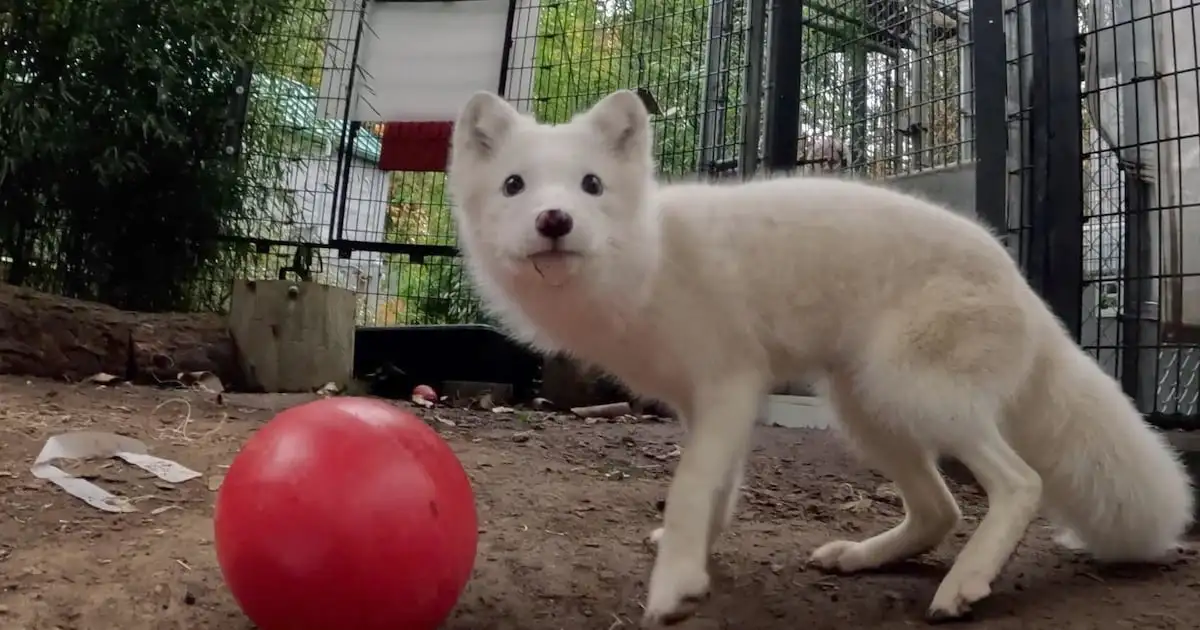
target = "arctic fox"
x: 705, y: 296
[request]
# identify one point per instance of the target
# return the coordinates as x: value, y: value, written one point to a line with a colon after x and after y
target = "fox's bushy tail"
x: 1113, y: 482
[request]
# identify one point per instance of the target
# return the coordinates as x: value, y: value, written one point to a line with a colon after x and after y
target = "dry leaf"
x: 611, y: 410
x: 203, y: 381
x: 103, y: 378
x: 858, y: 506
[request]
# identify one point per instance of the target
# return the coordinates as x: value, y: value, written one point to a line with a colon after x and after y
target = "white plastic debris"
x: 82, y: 445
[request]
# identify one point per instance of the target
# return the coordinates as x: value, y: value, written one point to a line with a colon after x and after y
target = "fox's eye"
x: 591, y: 185
x: 513, y: 185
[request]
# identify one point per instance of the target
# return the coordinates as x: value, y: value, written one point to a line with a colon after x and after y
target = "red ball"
x: 425, y: 392
x: 346, y: 513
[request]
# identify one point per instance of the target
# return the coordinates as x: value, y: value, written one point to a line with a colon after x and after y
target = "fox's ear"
x: 622, y: 120
x: 482, y: 124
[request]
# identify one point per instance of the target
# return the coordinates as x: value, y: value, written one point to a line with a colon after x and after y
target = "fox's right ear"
x: 483, y: 123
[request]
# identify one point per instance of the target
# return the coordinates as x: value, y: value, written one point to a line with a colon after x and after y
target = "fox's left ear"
x: 622, y: 120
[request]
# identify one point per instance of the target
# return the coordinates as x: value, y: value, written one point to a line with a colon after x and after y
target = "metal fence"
x: 1140, y: 144
x: 1071, y: 128
x: 1073, y: 120
x: 887, y: 86
x: 1078, y: 124
x: 390, y: 237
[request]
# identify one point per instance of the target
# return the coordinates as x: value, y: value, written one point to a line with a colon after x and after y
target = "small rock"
x: 522, y: 436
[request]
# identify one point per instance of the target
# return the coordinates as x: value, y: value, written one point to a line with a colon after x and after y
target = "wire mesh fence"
x: 686, y: 58
x: 892, y: 89
x: 887, y: 86
x: 1141, y: 146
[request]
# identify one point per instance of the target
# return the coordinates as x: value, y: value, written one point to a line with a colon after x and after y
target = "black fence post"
x: 783, y: 79
x: 990, y: 79
x: 347, y: 134
x: 1055, y: 264
x: 506, y: 56
x: 756, y: 39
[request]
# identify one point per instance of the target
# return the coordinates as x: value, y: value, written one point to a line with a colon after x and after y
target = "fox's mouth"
x: 552, y: 255
x: 553, y: 261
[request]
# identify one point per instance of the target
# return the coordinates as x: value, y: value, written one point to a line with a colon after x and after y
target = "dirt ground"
x: 564, y: 509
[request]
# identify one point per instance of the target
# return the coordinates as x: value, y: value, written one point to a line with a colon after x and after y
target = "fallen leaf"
x: 203, y: 380
x: 610, y: 410
x: 859, y: 506
x: 103, y: 378
x: 424, y: 391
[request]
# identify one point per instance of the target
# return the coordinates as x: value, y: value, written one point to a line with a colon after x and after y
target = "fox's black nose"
x: 554, y: 223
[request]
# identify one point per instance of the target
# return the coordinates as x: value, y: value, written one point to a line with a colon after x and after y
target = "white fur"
x: 927, y: 337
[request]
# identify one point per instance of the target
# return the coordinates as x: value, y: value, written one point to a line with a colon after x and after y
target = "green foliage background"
x: 118, y: 162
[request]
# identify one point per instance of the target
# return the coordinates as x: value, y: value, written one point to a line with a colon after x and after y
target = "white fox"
x: 705, y: 296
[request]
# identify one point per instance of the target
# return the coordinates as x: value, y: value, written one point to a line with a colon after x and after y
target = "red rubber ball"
x: 346, y: 513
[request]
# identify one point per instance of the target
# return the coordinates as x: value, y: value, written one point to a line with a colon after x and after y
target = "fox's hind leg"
x: 930, y: 510
x: 944, y: 370
x: 1014, y: 493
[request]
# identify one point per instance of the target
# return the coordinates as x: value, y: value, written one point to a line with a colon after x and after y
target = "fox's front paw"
x: 955, y: 596
x: 841, y: 556
x: 676, y: 590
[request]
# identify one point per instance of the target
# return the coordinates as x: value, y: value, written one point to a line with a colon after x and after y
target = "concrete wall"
x: 951, y: 186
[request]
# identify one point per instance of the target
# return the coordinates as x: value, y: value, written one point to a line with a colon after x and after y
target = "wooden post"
x: 292, y: 336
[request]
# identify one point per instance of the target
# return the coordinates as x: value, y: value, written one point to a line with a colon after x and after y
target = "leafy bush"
x: 120, y: 143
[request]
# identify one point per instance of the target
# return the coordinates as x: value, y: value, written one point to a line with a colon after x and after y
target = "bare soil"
x: 564, y: 506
